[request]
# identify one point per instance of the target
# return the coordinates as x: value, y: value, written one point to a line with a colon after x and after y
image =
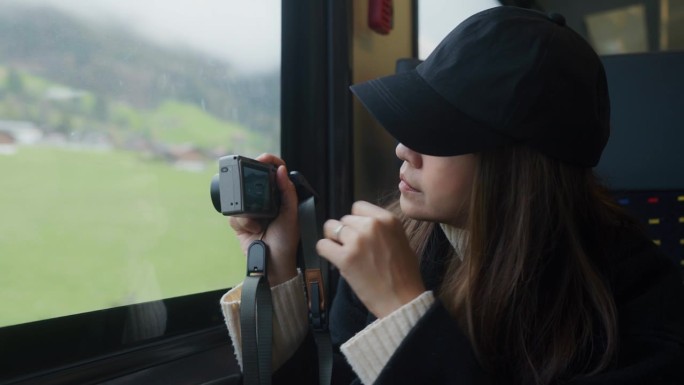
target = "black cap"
x: 503, y: 76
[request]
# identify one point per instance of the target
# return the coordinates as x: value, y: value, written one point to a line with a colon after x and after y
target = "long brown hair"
x: 529, y: 291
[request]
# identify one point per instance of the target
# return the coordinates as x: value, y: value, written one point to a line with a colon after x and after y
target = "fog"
x: 245, y: 33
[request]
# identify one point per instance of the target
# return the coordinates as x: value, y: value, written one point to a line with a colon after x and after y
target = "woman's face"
x: 435, y: 188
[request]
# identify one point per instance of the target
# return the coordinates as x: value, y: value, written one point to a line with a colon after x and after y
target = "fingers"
x: 245, y: 225
x: 330, y: 246
x: 351, y: 232
x: 271, y: 159
x: 286, y: 187
x: 333, y: 229
x: 363, y: 208
x: 329, y: 250
x: 364, y: 218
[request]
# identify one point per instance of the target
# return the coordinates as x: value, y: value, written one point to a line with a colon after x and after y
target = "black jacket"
x: 649, y: 296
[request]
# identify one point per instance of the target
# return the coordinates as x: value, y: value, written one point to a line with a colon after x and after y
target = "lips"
x: 405, y: 186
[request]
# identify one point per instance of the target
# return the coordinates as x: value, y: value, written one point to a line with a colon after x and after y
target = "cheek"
x: 450, y: 205
x: 449, y: 197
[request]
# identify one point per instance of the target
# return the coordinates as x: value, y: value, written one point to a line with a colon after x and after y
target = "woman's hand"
x: 282, y: 235
x: 371, y: 250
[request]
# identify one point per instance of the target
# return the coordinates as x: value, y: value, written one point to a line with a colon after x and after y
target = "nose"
x: 407, y: 155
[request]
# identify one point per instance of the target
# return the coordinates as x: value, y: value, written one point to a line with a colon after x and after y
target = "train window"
x: 613, y: 27
x: 112, y: 117
x: 633, y: 28
x: 671, y: 25
x: 619, y: 30
x: 436, y: 18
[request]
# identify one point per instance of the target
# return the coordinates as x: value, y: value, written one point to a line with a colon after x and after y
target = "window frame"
x: 316, y: 140
x: 88, y: 346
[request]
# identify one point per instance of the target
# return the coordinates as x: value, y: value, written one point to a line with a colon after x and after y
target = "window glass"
x: 113, y: 114
x: 619, y: 30
x: 436, y: 18
x: 671, y: 25
x: 636, y: 28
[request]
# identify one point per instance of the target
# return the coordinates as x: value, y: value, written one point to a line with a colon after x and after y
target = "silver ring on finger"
x: 337, y: 231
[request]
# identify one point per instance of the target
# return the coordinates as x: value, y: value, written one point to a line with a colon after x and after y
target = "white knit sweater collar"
x: 457, y: 237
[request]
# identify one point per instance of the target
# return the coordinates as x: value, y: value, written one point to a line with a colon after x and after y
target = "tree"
x: 100, y: 109
x: 14, y: 82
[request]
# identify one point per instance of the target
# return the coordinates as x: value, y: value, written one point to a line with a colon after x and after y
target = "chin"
x: 419, y: 212
x: 413, y: 211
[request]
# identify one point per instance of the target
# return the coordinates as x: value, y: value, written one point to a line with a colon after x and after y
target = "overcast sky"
x: 245, y: 32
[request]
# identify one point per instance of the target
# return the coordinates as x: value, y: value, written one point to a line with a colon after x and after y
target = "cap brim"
x: 421, y: 119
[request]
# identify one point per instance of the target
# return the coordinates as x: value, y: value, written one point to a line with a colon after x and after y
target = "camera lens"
x: 215, y: 192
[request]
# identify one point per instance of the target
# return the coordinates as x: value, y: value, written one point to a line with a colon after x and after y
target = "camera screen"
x: 256, y: 189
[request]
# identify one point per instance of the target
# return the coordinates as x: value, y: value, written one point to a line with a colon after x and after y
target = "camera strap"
x: 316, y: 271
x: 256, y: 309
x: 256, y: 318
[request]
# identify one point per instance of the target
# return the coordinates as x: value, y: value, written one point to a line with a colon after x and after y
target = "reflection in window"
x: 618, y: 31
x: 671, y: 25
x: 112, y: 117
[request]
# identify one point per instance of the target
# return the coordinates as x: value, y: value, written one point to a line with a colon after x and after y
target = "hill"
x: 117, y: 68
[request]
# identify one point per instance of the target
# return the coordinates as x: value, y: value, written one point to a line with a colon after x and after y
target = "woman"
x: 503, y: 261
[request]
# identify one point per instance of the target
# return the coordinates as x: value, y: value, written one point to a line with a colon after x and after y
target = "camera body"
x: 245, y: 187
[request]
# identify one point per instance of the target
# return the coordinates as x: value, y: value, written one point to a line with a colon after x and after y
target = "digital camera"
x: 245, y: 187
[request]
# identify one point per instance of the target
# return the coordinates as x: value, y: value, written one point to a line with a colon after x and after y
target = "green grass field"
x: 85, y: 230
